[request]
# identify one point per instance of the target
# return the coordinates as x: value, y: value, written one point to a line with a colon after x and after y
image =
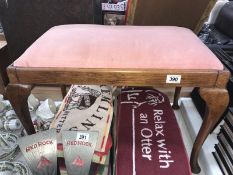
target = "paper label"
x: 173, y: 79
x: 119, y: 7
x: 79, y: 148
x: 83, y: 137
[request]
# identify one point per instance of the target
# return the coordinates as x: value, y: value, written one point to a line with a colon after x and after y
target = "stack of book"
x: 87, y: 108
x: 224, y: 149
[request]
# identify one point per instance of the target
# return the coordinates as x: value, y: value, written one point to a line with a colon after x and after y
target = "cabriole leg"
x: 18, y: 96
x: 216, y: 102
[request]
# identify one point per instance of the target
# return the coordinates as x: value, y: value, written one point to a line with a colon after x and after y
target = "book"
x: 227, y: 133
x: 90, y: 108
x: 220, y: 163
x: 228, y: 149
x: 223, y: 156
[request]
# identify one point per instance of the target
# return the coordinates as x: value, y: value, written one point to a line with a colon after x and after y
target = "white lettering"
x: 162, y: 144
x: 143, y: 118
x: 146, y: 143
x: 166, y: 162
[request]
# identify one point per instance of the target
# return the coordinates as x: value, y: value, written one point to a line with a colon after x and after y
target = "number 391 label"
x: 176, y: 79
x: 83, y: 137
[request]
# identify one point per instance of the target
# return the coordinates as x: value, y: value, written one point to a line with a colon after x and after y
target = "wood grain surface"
x: 183, y: 13
x: 117, y: 77
x: 216, y: 100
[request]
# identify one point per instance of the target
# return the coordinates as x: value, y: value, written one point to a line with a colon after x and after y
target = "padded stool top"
x: 96, y: 46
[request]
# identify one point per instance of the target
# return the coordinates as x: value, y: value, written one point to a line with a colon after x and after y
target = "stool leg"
x: 2, y: 87
x: 176, y: 98
x: 63, y: 90
x: 216, y: 101
x: 18, y: 96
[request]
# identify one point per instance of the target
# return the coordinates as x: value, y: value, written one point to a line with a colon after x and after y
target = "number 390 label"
x: 83, y: 137
x: 176, y: 79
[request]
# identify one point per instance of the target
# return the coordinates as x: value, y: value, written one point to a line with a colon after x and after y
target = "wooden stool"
x: 122, y: 56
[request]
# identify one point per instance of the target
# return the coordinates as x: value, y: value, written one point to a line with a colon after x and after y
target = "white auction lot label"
x: 176, y: 79
x: 78, y: 153
x: 120, y: 6
x: 83, y: 137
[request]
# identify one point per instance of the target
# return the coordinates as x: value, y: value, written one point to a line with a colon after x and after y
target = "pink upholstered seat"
x: 96, y: 46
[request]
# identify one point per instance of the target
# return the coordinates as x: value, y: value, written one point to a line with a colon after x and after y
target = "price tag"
x: 173, y: 79
x: 83, y: 137
x: 120, y: 6
x: 78, y: 156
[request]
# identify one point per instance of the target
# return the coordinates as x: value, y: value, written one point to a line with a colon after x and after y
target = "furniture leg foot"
x: 18, y: 96
x: 176, y: 98
x: 196, y: 168
x: 216, y: 102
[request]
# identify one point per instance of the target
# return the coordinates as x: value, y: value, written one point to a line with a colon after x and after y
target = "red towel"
x: 148, y: 137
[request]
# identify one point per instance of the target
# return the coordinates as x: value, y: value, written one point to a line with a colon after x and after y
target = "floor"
x: 188, y: 117
x: 186, y: 137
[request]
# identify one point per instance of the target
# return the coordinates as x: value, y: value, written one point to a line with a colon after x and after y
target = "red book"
x: 149, y: 140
